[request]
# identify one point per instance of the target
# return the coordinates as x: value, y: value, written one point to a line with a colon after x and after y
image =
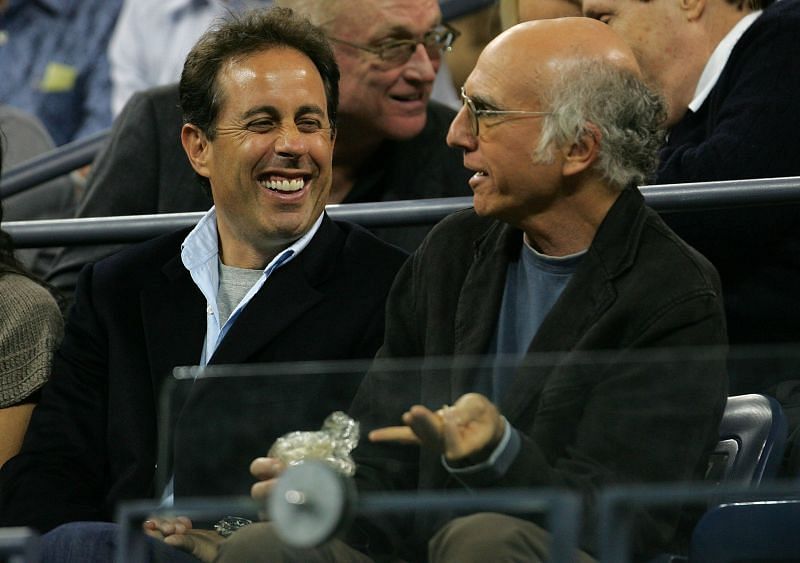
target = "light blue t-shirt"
x: 533, y: 285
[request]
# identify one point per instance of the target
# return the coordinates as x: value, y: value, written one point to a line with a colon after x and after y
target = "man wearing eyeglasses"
x: 391, y: 136
x: 559, y: 254
x: 264, y: 277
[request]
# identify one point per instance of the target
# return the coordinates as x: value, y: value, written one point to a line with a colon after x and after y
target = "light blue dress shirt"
x: 200, y: 255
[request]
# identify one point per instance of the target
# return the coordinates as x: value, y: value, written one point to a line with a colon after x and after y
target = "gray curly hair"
x: 628, y: 114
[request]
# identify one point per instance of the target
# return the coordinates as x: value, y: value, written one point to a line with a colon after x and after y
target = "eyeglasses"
x: 474, y: 113
x: 397, y: 52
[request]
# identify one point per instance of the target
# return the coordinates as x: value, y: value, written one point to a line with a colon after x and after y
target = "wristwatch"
x: 230, y: 524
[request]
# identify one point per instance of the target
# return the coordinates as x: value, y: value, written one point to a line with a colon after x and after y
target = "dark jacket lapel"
x: 480, y: 299
x: 586, y: 298
x: 288, y: 293
x: 174, y: 317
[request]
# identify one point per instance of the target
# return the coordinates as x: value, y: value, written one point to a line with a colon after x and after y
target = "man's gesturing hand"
x: 471, y: 428
x: 178, y: 532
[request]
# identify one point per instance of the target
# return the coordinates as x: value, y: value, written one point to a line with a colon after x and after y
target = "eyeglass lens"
x: 471, y: 113
x: 434, y: 42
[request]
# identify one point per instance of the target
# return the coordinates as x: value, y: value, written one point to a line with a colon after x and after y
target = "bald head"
x: 547, y: 45
x: 586, y: 80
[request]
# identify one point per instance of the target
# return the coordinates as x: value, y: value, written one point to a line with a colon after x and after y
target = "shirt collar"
x: 201, y: 244
x: 719, y: 58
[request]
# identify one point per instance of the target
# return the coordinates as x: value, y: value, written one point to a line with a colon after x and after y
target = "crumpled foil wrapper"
x: 331, y: 444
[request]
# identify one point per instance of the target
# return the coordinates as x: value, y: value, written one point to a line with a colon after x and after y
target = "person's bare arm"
x: 13, y: 423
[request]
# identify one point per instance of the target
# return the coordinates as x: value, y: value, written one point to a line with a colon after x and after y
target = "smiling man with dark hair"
x: 390, y: 142
x: 264, y: 276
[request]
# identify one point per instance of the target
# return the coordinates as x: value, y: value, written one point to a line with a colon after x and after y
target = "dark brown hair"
x: 245, y: 34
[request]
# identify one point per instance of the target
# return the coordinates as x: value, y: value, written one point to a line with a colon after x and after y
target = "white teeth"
x: 480, y: 173
x: 284, y: 185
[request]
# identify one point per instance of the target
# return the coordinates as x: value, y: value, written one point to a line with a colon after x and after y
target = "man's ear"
x: 692, y: 9
x: 197, y: 148
x: 583, y: 153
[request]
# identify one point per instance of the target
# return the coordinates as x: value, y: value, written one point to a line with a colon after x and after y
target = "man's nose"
x: 290, y: 141
x: 460, y: 133
x: 420, y: 67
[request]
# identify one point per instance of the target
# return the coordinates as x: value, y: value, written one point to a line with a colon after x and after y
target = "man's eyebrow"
x: 272, y: 111
x: 484, y: 101
x: 310, y: 109
x: 399, y: 31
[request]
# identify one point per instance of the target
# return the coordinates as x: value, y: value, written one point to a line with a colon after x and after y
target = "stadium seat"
x: 762, y: 532
x: 752, y: 438
x: 752, y: 441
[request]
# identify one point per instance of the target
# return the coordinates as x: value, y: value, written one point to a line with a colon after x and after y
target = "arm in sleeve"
x: 753, y: 129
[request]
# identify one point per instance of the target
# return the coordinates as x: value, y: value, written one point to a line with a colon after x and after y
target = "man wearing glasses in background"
x: 391, y: 137
x: 390, y: 143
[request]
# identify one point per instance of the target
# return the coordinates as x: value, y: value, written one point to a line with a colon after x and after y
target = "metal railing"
x: 52, y: 164
x: 663, y: 198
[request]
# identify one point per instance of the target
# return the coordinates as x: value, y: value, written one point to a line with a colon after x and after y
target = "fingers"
x: 261, y: 490
x: 423, y: 427
x: 264, y: 468
x: 471, y: 427
x: 401, y: 434
x: 158, y: 527
x: 203, y: 544
x: 427, y: 425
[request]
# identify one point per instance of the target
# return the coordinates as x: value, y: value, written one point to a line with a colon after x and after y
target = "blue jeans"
x: 96, y: 542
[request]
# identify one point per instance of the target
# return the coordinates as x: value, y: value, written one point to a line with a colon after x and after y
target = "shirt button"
x: 209, y: 310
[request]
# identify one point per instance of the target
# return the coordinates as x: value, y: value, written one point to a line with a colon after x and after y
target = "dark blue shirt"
x: 533, y: 285
x: 53, y: 63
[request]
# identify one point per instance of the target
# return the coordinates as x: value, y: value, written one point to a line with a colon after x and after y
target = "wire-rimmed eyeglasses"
x: 474, y: 113
x: 398, y: 51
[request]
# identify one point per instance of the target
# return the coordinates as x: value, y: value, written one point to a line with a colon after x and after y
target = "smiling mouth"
x: 416, y: 97
x: 282, y: 185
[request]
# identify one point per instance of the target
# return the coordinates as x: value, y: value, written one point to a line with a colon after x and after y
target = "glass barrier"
x: 617, y: 453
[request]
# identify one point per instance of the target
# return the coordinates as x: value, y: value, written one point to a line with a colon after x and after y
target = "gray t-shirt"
x: 234, y: 283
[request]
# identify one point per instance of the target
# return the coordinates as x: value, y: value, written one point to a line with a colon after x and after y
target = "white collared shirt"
x: 152, y: 38
x: 719, y: 58
x: 200, y: 255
